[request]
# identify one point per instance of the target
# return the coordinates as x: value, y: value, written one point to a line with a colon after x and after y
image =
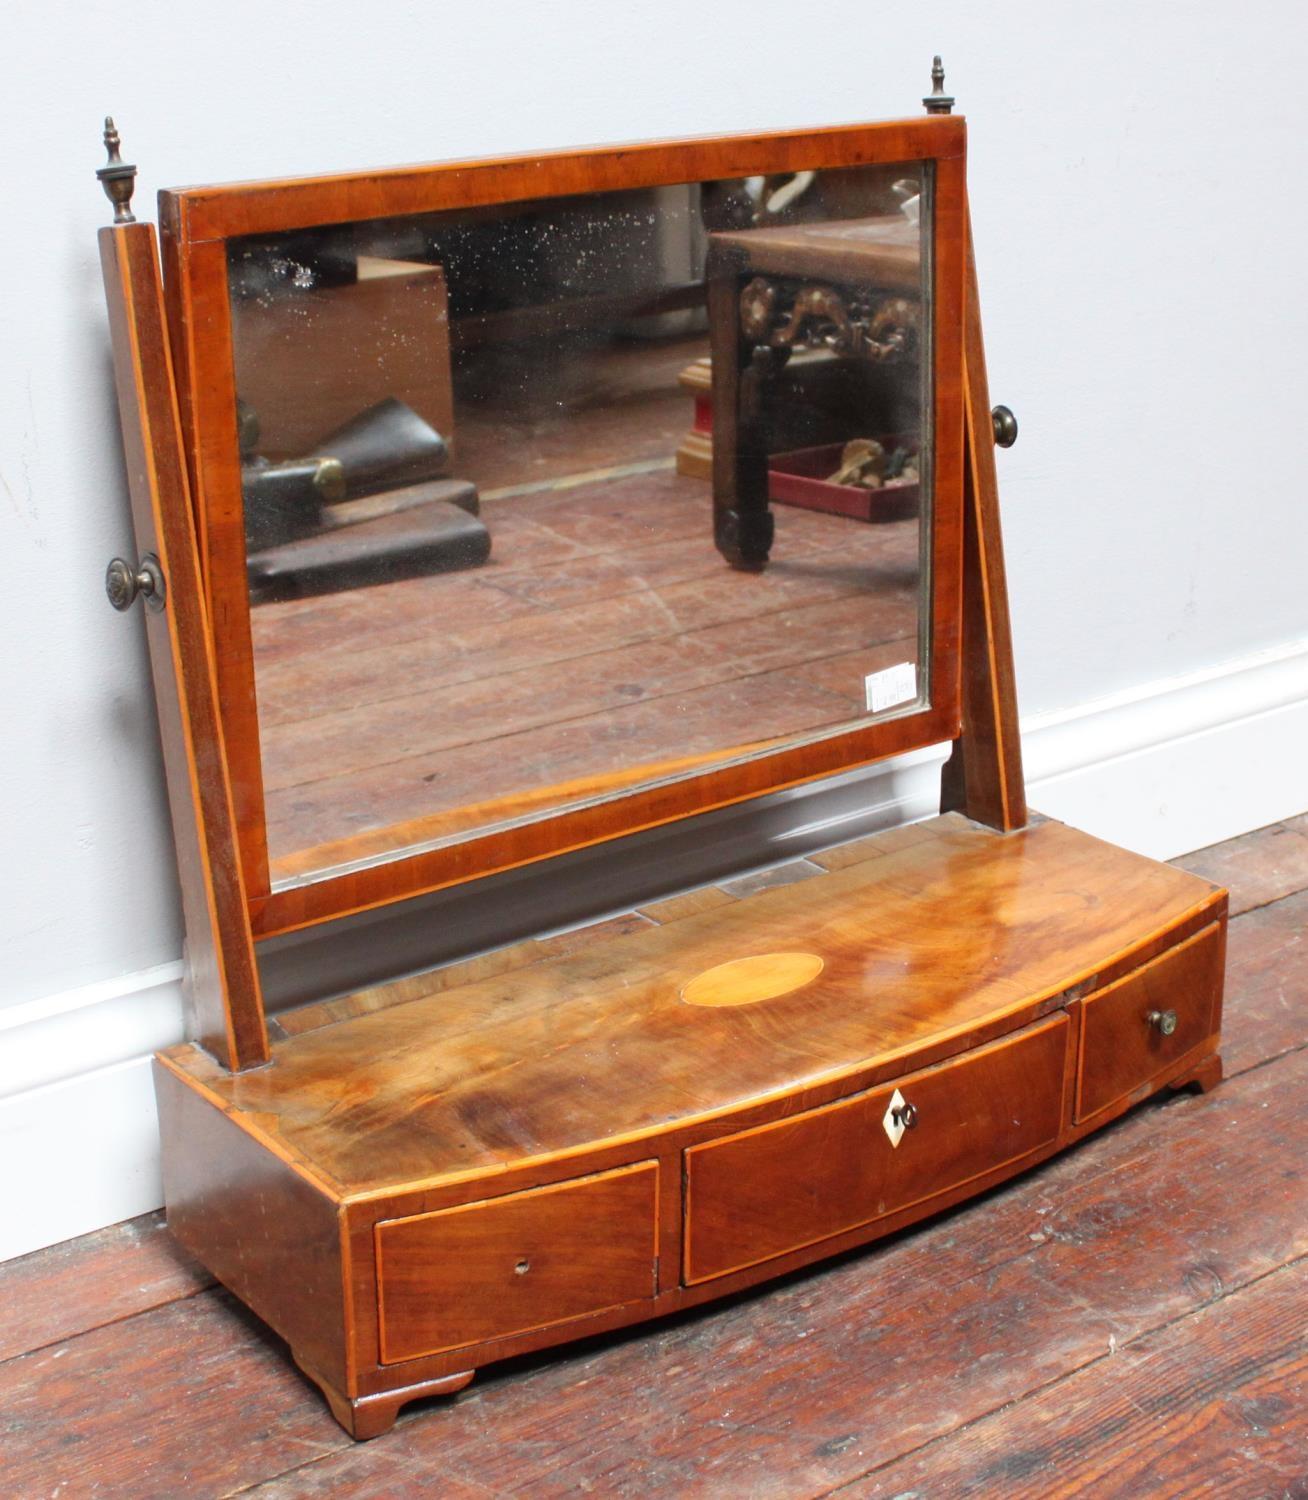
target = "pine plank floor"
x: 1130, y: 1319
x: 604, y: 635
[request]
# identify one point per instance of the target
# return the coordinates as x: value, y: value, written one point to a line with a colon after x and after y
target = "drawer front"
x: 486, y: 1270
x: 764, y: 1192
x: 1126, y: 1041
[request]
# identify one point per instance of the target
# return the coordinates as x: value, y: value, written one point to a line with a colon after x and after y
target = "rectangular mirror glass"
x: 550, y: 500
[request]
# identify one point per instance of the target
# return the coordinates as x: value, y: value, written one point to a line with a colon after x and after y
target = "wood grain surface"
x: 469, y: 1117
x: 433, y: 1083
x: 807, y: 1387
x: 222, y: 981
x: 603, y: 644
x: 98, y: 1279
x: 884, y: 253
x: 484, y: 1270
x: 983, y: 776
x: 1123, y: 1039
x: 1211, y: 1406
x: 207, y: 213
x: 781, y: 1186
x: 263, y: 1226
x: 1113, y: 1281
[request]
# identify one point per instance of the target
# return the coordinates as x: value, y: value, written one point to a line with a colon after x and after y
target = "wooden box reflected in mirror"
x: 497, y: 564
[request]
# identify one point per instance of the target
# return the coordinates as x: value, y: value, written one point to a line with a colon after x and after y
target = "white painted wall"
x: 1138, y: 177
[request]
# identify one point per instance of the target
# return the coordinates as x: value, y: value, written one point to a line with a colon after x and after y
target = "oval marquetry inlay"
x: 743, y: 981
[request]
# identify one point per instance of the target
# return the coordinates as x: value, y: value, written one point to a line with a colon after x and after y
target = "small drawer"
x: 486, y: 1270
x: 1137, y: 1028
x: 756, y: 1195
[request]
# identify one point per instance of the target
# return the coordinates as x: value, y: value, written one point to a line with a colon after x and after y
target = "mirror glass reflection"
x: 550, y: 500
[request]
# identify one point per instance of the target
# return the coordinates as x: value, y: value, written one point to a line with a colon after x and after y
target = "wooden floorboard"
x: 191, y: 1399
x: 1210, y: 1405
x: 414, y: 720
x: 1258, y: 867
x: 382, y: 704
x: 85, y: 1283
x: 806, y: 1386
x: 1127, y: 1320
x: 707, y: 720
x: 1267, y: 957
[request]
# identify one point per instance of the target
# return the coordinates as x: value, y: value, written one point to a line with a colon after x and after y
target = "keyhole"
x: 522, y: 1268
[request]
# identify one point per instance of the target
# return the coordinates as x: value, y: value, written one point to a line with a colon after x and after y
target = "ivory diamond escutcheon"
x: 892, y: 1121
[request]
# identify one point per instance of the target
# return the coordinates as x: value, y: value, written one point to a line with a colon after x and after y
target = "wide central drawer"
x: 756, y: 1195
x: 498, y: 1267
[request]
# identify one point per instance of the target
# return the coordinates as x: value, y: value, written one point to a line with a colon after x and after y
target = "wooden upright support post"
x: 223, y: 982
x: 983, y: 776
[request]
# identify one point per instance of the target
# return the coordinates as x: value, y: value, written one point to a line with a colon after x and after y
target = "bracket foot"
x: 1205, y: 1075
x: 365, y: 1417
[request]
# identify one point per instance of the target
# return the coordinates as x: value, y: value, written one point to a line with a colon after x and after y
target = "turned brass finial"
x: 117, y: 177
x: 937, y: 101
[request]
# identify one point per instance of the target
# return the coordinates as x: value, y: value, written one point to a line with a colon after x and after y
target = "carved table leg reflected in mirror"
x: 756, y: 322
x: 742, y: 522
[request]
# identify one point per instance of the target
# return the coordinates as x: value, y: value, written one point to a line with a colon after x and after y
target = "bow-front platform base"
x: 583, y: 1143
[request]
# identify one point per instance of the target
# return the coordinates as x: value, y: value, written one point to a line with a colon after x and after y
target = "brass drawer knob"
x: 1163, y: 1021
x: 905, y: 1114
x: 1005, y: 425
x: 123, y: 583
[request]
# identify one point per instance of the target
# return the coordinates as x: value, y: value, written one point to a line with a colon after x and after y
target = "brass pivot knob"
x: 904, y: 1114
x: 123, y: 583
x: 1163, y: 1021
x: 1005, y: 425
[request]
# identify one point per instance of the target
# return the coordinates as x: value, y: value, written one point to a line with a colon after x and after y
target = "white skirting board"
x: 1163, y: 769
x: 1181, y: 764
x: 78, y: 1133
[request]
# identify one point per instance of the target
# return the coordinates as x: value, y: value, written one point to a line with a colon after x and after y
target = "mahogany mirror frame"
x: 196, y: 226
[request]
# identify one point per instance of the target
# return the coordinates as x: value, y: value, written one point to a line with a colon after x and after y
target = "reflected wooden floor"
x: 604, y: 633
x: 1126, y: 1321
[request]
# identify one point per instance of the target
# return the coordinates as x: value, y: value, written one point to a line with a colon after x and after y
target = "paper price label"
x: 888, y: 689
